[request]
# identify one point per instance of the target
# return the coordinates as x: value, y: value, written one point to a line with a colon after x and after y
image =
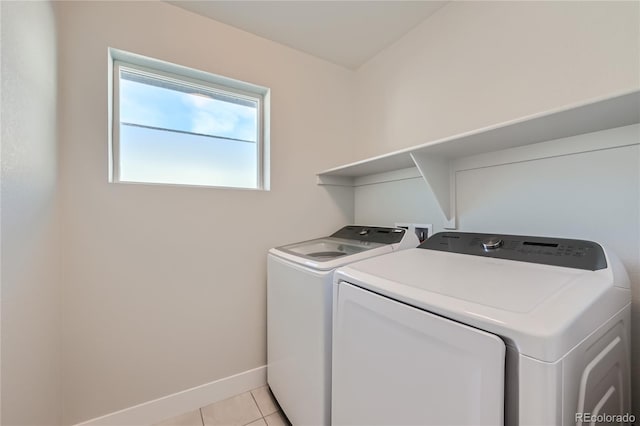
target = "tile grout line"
x: 259, y: 418
x: 255, y: 401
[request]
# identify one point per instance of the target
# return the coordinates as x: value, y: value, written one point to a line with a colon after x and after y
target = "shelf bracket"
x: 440, y: 178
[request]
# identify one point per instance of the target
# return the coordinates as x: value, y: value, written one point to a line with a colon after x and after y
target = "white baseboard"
x: 154, y: 411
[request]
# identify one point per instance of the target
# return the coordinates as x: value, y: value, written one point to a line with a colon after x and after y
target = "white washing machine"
x: 476, y: 329
x: 299, y: 312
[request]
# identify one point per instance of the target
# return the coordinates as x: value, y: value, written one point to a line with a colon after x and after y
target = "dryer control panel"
x: 578, y: 254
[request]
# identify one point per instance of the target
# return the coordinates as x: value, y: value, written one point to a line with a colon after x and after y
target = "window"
x: 175, y: 125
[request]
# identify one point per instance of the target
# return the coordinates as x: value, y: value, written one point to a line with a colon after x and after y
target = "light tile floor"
x: 255, y: 408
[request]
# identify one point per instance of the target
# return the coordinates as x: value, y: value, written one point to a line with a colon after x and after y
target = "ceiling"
x: 347, y: 33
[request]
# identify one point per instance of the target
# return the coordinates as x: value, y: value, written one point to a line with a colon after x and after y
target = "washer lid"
x: 328, y: 248
x: 542, y: 310
x: 348, y: 244
x: 330, y: 253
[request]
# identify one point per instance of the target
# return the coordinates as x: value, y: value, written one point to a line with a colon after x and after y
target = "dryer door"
x: 394, y: 364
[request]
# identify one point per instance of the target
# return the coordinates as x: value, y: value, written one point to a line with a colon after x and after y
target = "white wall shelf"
x: 433, y: 159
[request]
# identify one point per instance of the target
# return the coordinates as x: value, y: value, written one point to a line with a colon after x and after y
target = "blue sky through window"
x: 185, y: 135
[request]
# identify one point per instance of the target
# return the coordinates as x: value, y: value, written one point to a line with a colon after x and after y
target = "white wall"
x: 165, y: 286
x: 406, y: 200
x: 474, y: 64
x: 30, y: 280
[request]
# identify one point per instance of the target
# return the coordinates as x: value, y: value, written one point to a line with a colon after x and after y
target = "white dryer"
x: 472, y: 329
x: 299, y: 312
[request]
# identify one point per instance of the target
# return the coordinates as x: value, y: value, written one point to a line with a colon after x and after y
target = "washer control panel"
x: 372, y: 234
x: 578, y: 254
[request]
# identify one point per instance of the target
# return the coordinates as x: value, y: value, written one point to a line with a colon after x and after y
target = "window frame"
x: 199, y: 80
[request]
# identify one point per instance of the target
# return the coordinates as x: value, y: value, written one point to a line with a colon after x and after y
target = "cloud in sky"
x: 154, y: 106
x: 214, y: 117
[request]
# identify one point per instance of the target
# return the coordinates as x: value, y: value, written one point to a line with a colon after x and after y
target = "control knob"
x: 492, y: 243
